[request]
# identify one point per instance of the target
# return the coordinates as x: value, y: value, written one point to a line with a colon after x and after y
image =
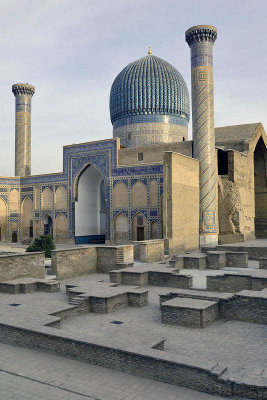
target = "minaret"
x: 23, y: 93
x: 201, y: 39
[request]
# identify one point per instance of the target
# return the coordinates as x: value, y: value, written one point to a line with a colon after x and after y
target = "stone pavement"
x: 27, y: 374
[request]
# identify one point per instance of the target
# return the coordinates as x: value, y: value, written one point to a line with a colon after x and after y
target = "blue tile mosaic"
x: 149, y: 86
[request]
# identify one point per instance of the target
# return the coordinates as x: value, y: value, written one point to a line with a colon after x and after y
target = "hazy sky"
x: 71, y: 51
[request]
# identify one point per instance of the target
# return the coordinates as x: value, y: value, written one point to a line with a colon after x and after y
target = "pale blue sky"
x: 71, y: 51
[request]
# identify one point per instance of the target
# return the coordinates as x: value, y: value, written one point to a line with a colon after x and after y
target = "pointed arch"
x: 260, y: 188
x: 61, y: 198
x: 14, y: 231
x: 47, y: 199
x: 121, y: 228
x: 139, y: 195
x: 3, y: 220
x: 90, y: 206
x: 61, y: 230
x: 47, y: 225
x: 14, y: 200
x: 26, y: 218
x: 139, y: 227
x: 79, y: 175
x: 120, y: 196
x: 154, y: 230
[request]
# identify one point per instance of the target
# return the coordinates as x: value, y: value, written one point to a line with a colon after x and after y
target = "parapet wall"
x: 26, y: 265
x: 74, y: 262
x: 69, y: 263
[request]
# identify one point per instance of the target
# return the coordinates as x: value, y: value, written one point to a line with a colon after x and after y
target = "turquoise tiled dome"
x: 149, y: 86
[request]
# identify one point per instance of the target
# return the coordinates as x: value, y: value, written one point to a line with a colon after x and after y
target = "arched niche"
x: 14, y: 200
x: 14, y: 231
x: 153, y: 193
x: 26, y: 219
x: 154, y: 230
x: 47, y: 225
x: 90, y: 207
x: 61, y: 199
x: 47, y: 199
x: 61, y: 228
x: 3, y: 220
x: 121, y: 228
x: 139, y: 195
x: 139, y: 227
x: 260, y: 186
x: 120, y: 196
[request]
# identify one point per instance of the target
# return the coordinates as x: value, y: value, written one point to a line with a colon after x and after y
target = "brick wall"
x: 26, y: 265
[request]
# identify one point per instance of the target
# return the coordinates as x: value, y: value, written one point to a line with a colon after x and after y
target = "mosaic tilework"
x: 141, y: 119
x: 149, y: 85
x: 23, y: 94
x: 200, y: 40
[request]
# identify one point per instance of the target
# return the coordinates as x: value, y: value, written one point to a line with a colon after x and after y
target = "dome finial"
x: 149, y: 51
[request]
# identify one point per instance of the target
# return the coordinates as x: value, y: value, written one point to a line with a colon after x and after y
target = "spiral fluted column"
x: 23, y: 93
x: 201, y: 39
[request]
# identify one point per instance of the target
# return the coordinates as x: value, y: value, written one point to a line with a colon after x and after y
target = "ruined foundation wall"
x: 26, y: 265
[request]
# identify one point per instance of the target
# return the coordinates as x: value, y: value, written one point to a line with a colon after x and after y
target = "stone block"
x: 195, y: 261
x: 247, y: 305
x: 230, y: 283
x: 9, y: 287
x: 138, y: 298
x: 134, y: 278
x: 169, y: 279
x: 189, y: 312
x: 258, y: 282
x: 151, y: 251
x: 177, y: 262
x: 115, y: 277
x: 262, y: 263
x: 216, y: 259
x: 48, y: 286
x: 28, y: 287
x: 236, y: 259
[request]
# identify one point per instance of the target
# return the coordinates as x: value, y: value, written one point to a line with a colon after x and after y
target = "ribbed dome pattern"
x: 149, y: 85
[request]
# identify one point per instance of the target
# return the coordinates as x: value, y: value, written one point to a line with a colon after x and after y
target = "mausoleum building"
x: 148, y: 181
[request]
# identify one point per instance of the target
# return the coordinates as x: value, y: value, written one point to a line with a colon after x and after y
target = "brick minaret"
x: 23, y: 93
x: 201, y: 39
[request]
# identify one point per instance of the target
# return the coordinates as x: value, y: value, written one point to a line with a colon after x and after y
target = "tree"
x: 42, y: 243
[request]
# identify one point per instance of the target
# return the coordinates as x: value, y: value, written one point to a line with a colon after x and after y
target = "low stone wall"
x: 69, y: 263
x: 74, y: 262
x: 25, y: 265
x: 229, y: 283
x: 133, y: 359
x: 248, y: 306
x: 165, y: 279
x: 189, y: 312
x: 254, y: 252
x: 113, y: 257
x: 149, y: 251
x: 233, y: 283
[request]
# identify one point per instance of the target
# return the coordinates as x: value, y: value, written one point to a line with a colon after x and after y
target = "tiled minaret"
x: 201, y: 39
x: 23, y: 93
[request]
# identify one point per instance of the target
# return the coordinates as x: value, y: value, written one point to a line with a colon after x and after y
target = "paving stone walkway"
x: 27, y: 374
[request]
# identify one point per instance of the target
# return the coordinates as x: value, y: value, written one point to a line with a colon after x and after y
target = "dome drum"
x: 149, y: 96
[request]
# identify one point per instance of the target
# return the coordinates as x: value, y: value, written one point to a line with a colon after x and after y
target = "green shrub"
x: 42, y: 243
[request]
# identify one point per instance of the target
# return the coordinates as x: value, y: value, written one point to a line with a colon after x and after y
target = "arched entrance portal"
x: 260, y: 184
x: 48, y: 225
x: 90, y: 207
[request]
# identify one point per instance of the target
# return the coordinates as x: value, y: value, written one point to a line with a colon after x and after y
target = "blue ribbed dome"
x: 151, y: 86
